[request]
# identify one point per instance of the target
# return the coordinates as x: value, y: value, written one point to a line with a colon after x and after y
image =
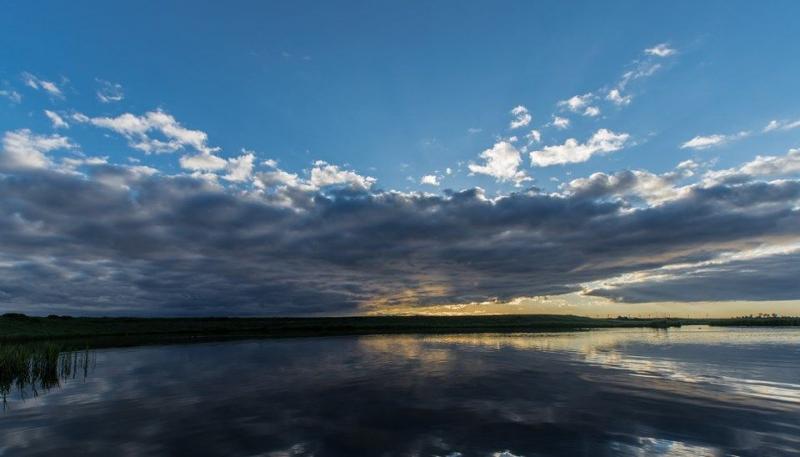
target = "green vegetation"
x: 17, y: 327
x: 36, y: 367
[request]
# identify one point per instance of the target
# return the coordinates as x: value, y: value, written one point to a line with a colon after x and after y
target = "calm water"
x: 691, y: 391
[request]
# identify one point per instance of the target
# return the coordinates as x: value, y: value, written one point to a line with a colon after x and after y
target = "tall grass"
x: 35, y: 368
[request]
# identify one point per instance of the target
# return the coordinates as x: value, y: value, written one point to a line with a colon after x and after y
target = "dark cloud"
x: 770, y: 278
x: 122, y: 240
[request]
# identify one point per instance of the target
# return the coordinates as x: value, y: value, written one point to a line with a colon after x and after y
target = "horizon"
x: 383, y: 159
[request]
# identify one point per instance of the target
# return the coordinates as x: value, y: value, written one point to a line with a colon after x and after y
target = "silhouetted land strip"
x: 17, y: 327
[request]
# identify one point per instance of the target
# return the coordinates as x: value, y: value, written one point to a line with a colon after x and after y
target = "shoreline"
x: 18, y: 327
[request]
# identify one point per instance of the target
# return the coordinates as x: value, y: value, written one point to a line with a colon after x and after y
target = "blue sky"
x: 292, y: 103
x: 392, y: 90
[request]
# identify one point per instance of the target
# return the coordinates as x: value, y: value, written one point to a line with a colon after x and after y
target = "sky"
x: 336, y: 158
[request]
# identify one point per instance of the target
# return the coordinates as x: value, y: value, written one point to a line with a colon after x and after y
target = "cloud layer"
x: 116, y: 239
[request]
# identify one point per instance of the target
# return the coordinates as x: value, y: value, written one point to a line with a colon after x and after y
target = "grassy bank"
x: 16, y: 327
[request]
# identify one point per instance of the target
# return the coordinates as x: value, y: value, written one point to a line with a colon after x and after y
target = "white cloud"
x: 591, y: 111
x: 448, y: 171
x: 602, y: 142
x: 203, y: 161
x: 781, y: 125
x: 560, y: 123
x: 788, y: 164
x: 709, y: 141
x: 138, y: 130
x: 505, y: 453
x: 431, y: 180
x: 236, y: 169
x: 704, y: 142
x: 773, y: 125
x: 473, y: 130
x: 522, y: 118
x: 240, y: 169
x: 22, y: 149
x: 616, y: 97
x: 660, y: 50
x: 324, y: 174
x: 109, y: 92
x: 502, y: 162
x: 277, y: 177
x: 71, y: 163
x: 534, y: 136
x: 652, y: 188
x: 577, y: 102
x: 58, y: 121
x: 272, y: 163
x: 12, y: 95
x: 644, y: 69
x: 773, y: 165
x: 36, y: 83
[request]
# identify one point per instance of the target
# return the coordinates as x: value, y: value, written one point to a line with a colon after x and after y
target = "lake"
x: 691, y: 391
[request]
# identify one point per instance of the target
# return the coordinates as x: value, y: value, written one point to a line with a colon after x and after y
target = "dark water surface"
x: 680, y: 392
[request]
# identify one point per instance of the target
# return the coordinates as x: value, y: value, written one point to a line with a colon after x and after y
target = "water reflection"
x: 30, y: 369
x: 676, y: 392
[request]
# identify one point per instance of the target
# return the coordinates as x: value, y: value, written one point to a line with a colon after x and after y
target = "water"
x: 680, y: 392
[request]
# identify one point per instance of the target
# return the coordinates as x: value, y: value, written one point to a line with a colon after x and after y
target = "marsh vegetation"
x: 30, y: 369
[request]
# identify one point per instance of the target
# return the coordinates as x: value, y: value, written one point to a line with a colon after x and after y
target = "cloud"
x: 12, y: 95
x: 203, y: 162
x: 781, y: 125
x: 576, y: 103
x: 660, y: 50
x: 236, y: 169
x: 704, y: 142
x: 109, y: 92
x: 473, y: 130
x: 324, y: 174
x: 603, y: 141
x: 616, y: 97
x: 36, y: 83
x: 768, y: 277
x: 502, y: 162
x: 431, y: 180
x: 560, y: 123
x: 139, y: 130
x: 591, y: 111
x: 278, y: 178
x: 240, y: 169
x: 761, y: 166
x: 534, y: 136
x: 522, y: 117
x: 580, y: 104
x: 23, y: 149
x: 709, y: 141
x: 58, y: 121
x: 122, y: 240
x: 651, y: 188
